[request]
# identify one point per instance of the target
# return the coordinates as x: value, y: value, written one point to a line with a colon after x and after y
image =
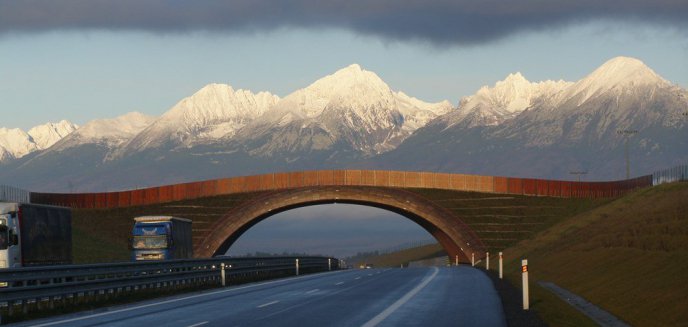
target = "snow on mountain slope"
x: 568, y: 126
x: 48, y: 134
x: 617, y: 74
x: 351, y: 86
x: 491, y: 106
x: 621, y: 94
x: 215, y: 112
x: 106, y: 132
x: 352, y: 107
x: 15, y: 143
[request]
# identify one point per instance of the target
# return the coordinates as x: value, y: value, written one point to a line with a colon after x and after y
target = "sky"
x: 83, y: 60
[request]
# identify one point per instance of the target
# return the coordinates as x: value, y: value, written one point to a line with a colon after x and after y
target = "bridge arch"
x: 456, y: 237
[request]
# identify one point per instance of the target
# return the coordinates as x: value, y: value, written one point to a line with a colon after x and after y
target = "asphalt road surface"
x: 456, y: 296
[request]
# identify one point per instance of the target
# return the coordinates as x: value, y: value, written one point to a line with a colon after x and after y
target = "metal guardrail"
x: 59, y: 283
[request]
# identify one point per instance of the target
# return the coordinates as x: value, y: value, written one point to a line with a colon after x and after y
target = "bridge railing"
x: 675, y: 174
x: 14, y: 194
x: 71, y: 284
x: 375, y: 178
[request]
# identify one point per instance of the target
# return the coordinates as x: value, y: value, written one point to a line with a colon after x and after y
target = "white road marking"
x: 359, y: 277
x: 340, y: 283
x: 267, y: 304
x: 199, y: 324
x: 312, y: 291
x: 172, y: 301
x: 384, y: 314
x: 370, y: 274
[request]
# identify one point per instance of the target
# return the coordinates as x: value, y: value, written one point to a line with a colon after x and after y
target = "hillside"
x: 628, y: 257
x: 398, y: 258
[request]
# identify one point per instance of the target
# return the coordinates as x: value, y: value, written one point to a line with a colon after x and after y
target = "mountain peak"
x: 616, y: 73
x: 516, y: 77
x: 353, y: 67
x: 620, y: 68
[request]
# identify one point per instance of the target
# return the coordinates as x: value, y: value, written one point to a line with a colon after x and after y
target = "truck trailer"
x: 34, y: 235
x: 161, y: 238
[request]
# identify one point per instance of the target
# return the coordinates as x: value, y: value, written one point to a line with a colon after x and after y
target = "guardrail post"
x: 487, y: 261
x: 500, y: 266
x: 472, y: 259
x: 222, y: 273
x: 297, y: 267
x: 524, y: 270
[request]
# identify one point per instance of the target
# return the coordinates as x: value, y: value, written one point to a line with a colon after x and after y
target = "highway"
x: 455, y: 296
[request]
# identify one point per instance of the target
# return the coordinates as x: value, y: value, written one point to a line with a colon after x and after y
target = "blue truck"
x: 161, y: 238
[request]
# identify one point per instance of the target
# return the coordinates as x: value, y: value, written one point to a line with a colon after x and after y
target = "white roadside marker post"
x: 524, y: 270
x: 487, y: 262
x: 473, y: 259
x: 456, y: 260
x: 329, y: 264
x: 501, y: 267
x: 297, y: 267
x: 222, y: 273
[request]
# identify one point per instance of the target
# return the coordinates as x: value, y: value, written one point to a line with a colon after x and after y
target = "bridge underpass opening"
x: 456, y: 238
x: 341, y: 230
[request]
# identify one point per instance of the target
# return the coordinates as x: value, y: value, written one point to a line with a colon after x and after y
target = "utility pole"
x: 579, y: 173
x: 627, y: 133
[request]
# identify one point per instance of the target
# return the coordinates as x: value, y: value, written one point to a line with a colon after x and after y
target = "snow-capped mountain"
x: 213, y: 113
x: 491, y: 106
x: 48, y: 134
x: 557, y: 128
x: 15, y: 143
x: 108, y: 133
x: 352, y: 118
x: 351, y: 111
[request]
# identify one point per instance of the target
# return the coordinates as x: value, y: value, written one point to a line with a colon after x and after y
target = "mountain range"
x: 353, y: 119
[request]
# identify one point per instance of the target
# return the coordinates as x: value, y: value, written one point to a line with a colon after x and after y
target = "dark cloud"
x: 439, y: 22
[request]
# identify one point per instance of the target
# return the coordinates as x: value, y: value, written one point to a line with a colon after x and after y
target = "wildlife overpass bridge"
x: 467, y: 214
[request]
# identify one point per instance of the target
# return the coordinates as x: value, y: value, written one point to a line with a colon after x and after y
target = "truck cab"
x: 9, y: 239
x: 161, y: 238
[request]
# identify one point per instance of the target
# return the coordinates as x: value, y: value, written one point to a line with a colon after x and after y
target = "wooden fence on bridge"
x: 372, y: 178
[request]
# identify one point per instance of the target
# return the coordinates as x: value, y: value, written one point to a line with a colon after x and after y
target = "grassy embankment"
x: 629, y: 257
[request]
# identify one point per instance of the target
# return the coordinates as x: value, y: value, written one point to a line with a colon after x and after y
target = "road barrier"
x: 37, y: 288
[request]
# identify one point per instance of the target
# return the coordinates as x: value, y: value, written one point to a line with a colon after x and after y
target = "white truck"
x: 34, y: 235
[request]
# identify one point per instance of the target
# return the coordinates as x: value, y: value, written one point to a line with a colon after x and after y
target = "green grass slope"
x: 629, y: 256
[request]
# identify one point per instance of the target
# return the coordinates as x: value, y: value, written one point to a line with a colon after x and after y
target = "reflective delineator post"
x: 456, y: 260
x: 297, y: 267
x: 501, y: 266
x: 524, y: 270
x: 472, y: 259
x: 487, y: 261
x: 329, y: 264
x: 222, y: 273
